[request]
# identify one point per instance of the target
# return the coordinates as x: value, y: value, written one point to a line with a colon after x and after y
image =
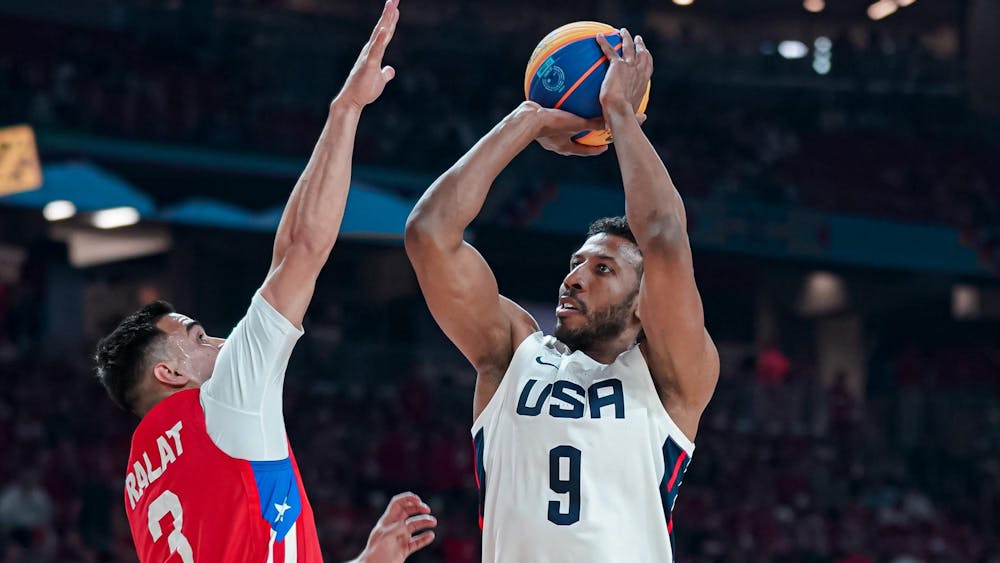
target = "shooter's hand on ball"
x: 368, y: 77
x: 554, y: 129
x: 627, y: 79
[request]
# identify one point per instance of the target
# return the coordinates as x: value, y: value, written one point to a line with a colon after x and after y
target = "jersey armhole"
x: 494, y: 403
x: 673, y: 430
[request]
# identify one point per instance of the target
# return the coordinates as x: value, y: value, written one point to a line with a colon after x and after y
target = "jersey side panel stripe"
x: 675, y: 462
x: 291, y: 546
x: 478, y: 446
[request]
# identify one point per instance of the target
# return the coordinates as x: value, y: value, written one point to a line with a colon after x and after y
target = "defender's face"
x: 189, y: 348
x: 597, y: 296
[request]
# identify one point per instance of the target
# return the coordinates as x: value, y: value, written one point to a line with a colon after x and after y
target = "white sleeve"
x: 242, y: 399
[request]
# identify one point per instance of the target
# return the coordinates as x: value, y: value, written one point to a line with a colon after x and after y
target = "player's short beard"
x: 603, y: 324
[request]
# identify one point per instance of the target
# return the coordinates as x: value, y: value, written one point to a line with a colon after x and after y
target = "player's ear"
x: 167, y: 375
x: 637, y: 306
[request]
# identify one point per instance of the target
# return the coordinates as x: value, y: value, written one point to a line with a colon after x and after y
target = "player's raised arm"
x: 242, y: 400
x: 458, y: 285
x: 312, y: 216
x: 681, y: 355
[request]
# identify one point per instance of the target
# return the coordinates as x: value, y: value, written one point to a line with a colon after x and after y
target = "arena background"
x: 842, y: 176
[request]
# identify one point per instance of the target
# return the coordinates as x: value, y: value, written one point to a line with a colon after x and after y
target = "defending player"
x: 582, y: 439
x: 211, y: 477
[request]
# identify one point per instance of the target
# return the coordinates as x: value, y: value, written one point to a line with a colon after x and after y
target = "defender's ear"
x: 167, y: 375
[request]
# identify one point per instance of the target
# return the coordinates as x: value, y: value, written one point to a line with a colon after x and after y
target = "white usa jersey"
x: 577, y: 461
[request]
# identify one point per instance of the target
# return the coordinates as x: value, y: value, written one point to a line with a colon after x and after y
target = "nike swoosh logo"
x: 539, y: 360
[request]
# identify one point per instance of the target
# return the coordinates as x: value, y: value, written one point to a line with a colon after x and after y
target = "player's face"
x: 189, y: 348
x: 597, y: 299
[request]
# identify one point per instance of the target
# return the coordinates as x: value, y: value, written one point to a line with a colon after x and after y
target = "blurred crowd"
x: 885, y: 132
x: 787, y: 470
x: 791, y: 471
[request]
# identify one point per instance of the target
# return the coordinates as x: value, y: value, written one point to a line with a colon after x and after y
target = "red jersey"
x: 187, y: 501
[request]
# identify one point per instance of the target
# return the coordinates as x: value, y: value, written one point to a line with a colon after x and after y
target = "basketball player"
x: 581, y: 439
x: 211, y: 477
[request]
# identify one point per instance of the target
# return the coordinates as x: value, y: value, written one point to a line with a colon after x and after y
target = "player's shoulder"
x: 181, y: 403
x: 522, y: 324
x: 181, y: 406
x: 538, y: 348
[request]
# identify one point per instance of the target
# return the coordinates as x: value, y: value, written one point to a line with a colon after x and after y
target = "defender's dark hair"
x: 121, y: 356
x: 617, y: 226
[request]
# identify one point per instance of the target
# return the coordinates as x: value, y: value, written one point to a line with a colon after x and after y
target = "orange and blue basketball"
x: 566, y: 70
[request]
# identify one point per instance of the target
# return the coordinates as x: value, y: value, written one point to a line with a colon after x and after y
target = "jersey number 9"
x: 569, y: 486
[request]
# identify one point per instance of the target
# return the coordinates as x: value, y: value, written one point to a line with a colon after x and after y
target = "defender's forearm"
x: 315, y: 209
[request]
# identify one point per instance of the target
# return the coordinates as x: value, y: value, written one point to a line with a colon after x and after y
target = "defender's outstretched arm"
x: 312, y: 216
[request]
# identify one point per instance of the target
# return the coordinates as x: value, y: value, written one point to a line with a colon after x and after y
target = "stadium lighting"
x: 964, y: 301
x: 814, y: 6
x: 822, y: 55
x: 683, y: 2
x: 792, y: 49
x: 58, y: 210
x: 115, y: 217
x: 822, y: 293
x: 882, y: 9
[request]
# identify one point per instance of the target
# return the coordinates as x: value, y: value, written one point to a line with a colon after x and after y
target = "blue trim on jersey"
x: 671, y: 453
x: 479, y: 443
x: 278, y: 489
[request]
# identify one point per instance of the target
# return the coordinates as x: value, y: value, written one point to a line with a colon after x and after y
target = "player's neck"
x: 607, y: 351
x: 156, y: 396
x: 143, y: 407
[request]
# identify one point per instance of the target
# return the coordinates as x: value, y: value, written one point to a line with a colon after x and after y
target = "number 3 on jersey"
x: 168, y: 503
x: 569, y: 486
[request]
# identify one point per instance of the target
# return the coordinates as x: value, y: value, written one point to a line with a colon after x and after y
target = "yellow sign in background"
x: 20, y: 169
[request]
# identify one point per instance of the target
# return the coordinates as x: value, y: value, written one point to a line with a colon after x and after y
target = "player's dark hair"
x: 617, y: 226
x: 121, y: 356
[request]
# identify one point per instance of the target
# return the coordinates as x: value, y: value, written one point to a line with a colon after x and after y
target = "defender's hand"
x: 395, y: 537
x: 368, y: 77
x: 626, y: 80
x: 554, y: 129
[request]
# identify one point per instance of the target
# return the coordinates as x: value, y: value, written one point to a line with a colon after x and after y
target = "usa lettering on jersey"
x: 570, y: 400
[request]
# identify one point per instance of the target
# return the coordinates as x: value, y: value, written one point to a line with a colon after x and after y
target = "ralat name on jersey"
x: 139, y: 478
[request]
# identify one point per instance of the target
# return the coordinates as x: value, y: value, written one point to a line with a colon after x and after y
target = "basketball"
x: 566, y: 70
